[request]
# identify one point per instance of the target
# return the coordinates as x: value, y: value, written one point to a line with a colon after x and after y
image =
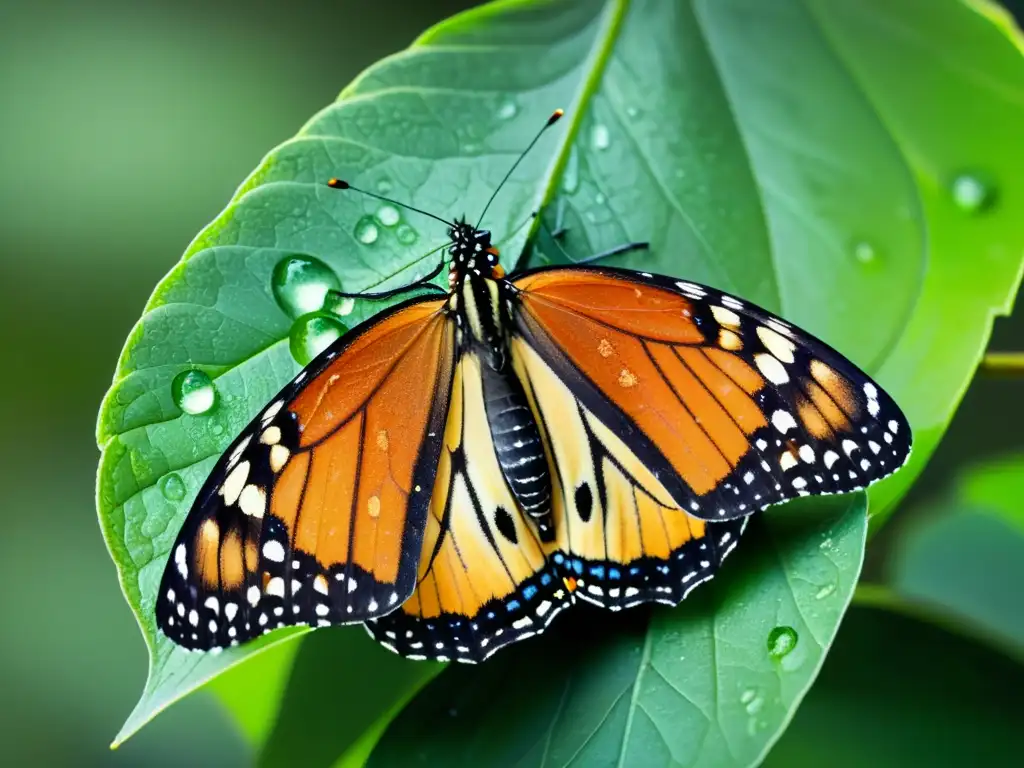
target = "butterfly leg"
x: 422, y: 282
x: 558, y: 233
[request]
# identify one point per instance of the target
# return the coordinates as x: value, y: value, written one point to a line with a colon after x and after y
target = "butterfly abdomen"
x: 518, y: 446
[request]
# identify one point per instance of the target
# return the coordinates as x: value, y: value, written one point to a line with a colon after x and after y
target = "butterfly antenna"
x: 342, y: 184
x: 555, y: 117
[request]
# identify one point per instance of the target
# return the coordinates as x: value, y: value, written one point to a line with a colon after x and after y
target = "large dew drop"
x: 193, y: 392
x: 313, y: 333
x: 300, y: 284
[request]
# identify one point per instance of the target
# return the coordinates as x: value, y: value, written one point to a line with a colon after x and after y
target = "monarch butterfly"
x: 460, y: 468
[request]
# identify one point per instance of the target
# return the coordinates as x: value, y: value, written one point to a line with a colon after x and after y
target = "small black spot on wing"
x: 584, y: 502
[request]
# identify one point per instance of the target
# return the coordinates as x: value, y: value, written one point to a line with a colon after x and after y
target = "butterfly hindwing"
x: 484, y: 579
x: 315, y: 514
x: 619, y: 533
x: 730, y: 407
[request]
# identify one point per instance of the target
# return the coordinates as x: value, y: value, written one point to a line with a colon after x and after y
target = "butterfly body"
x: 483, y: 302
x: 458, y: 470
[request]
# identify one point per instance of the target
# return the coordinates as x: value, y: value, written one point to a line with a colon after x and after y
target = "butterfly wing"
x: 316, y: 513
x: 619, y: 533
x: 727, y: 406
x: 484, y: 580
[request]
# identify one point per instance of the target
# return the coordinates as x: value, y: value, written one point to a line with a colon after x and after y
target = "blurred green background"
x: 125, y: 127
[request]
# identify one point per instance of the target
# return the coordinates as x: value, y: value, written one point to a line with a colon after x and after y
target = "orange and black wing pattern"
x: 316, y: 513
x: 620, y: 536
x: 485, y: 579
x: 729, y: 407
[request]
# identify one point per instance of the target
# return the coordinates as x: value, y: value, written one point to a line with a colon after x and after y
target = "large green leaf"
x: 803, y: 155
x: 710, y: 683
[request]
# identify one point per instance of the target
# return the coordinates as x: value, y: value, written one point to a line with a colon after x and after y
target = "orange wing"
x: 728, y: 406
x: 316, y: 514
x: 484, y: 578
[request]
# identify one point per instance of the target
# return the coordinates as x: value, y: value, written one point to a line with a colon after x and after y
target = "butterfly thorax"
x: 480, y: 294
x: 483, y: 301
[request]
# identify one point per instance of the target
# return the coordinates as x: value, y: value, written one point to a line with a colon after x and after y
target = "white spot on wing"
x: 783, y: 421
x: 725, y: 316
x: 234, y: 483
x: 778, y: 345
x: 273, y: 550
x: 253, y: 501
x: 276, y: 587
x: 771, y: 368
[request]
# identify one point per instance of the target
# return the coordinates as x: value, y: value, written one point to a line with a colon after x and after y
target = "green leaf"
x: 960, y: 559
x: 252, y: 692
x: 330, y: 703
x: 896, y: 692
x: 695, y: 685
x: 799, y: 154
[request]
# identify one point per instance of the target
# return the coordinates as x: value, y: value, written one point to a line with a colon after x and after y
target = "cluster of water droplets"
x: 370, y: 228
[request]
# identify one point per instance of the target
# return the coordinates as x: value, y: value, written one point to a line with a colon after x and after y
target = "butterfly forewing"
x: 484, y: 577
x: 315, y: 515
x: 730, y: 407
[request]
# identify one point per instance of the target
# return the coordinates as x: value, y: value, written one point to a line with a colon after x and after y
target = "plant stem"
x: 1003, y: 363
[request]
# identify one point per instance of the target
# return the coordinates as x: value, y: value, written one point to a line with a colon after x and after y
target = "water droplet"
x: 406, y: 235
x: 970, y: 193
x: 193, y: 392
x: 300, y: 284
x: 508, y: 110
x: 339, y: 305
x: 599, y: 137
x: 470, y: 148
x: 600, y: 199
x: 313, y: 333
x: 366, y: 231
x: 781, y: 640
x: 864, y: 252
x: 384, y: 187
x: 172, y: 487
x: 826, y: 544
x: 387, y: 215
x: 571, y: 175
x: 825, y: 591
x: 632, y: 111
x: 751, y: 701
x: 217, y: 428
